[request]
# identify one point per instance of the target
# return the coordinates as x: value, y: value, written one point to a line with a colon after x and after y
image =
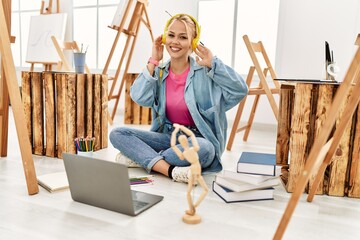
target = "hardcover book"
x: 254, y: 195
x: 249, y: 178
x: 238, y: 186
x: 257, y: 163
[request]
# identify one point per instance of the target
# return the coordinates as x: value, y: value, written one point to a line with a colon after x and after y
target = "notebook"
x: 105, y: 184
x: 53, y: 182
x: 298, y: 80
x: 306, y: 80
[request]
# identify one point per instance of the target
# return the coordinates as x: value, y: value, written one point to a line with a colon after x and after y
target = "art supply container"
x: 85, y: 153
x: 79, y: 62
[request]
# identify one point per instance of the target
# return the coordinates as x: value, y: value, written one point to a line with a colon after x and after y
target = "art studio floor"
x: 56, y: 216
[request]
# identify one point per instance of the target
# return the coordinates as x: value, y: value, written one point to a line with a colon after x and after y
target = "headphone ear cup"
x: 194, y: 43
x: 163, y: 38
x: 196, y: 40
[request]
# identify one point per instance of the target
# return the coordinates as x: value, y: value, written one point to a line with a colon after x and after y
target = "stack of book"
x: 253, y: 180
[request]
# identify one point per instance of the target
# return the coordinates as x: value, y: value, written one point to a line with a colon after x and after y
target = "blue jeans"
x: 147, y: 148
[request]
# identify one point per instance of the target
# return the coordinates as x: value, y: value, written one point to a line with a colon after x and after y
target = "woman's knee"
x: 113, y: 134
x: 117, y: 133
x: 207, y: 150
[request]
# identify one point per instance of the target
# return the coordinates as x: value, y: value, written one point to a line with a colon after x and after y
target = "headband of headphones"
x: 195, y: 41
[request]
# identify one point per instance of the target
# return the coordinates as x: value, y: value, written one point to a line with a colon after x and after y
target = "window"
x: 259, y: 20
x: 224, y: 22
x: 216, y: 19
x: 20, y: 20
x: 84, y: 19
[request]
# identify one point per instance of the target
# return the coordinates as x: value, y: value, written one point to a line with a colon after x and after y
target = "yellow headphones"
x: 195, y: 41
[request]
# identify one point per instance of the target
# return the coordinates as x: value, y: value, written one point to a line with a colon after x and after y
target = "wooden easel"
x: 47, y: 10
x: 131, y: 33
x: 264, y: 88
x: 323, y: 149
x: 9, y: 87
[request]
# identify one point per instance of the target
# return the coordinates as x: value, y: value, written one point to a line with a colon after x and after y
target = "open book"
x: 53, y: 181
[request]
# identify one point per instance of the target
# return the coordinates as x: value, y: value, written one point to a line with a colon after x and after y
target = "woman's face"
x: 177, y: 40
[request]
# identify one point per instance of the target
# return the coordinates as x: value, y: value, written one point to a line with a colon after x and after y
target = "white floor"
x: 56, y: 216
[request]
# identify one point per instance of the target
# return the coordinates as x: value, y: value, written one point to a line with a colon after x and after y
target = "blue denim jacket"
x: 209, y: 93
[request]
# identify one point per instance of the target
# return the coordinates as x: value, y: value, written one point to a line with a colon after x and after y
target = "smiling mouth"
x: 175, y: 49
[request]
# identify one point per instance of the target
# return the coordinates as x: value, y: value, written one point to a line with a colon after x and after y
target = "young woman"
x: 192, y: 92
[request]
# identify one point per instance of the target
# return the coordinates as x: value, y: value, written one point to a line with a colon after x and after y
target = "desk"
x: 62, y: 106
x: 302, y: 110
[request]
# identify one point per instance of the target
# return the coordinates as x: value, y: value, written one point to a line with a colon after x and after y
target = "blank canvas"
x: 40, y: 48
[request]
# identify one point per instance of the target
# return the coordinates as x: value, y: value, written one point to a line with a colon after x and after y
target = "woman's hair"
x: 189, y: 24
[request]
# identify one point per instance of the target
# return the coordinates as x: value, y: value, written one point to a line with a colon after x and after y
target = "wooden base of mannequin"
x: 191, y: 219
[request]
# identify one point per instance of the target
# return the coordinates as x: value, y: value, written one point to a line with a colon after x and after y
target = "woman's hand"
x: 157, y: 49
x: 204, y: 56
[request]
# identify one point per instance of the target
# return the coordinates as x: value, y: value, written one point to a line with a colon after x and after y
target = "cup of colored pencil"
x: 85, y: 145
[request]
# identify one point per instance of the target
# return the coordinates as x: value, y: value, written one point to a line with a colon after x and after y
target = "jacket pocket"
x: 211, y: 116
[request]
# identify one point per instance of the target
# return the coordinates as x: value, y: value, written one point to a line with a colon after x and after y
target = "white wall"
x: 305, y: 25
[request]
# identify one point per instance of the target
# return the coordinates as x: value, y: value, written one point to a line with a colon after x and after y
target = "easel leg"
x: 323, y: 160
x: 235, y: 128
x: 19, y: 115
x: 4, y: 116
x: 236, y: 124
x: 4, y: 96
x: 251, y: 118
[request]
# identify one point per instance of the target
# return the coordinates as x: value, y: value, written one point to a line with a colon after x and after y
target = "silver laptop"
x: 105, y: 184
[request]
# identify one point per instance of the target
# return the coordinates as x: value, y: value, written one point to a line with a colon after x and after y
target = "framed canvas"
x: 40, y: 48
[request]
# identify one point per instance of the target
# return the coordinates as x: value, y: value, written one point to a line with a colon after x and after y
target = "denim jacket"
x: 209, y: 93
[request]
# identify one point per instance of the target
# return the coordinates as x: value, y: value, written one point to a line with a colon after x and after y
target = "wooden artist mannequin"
x: 190, y: 154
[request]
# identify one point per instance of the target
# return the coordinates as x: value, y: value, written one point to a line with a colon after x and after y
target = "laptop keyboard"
x: 139, y: 204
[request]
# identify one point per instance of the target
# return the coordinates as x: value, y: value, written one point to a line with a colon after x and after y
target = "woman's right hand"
x: 158, y: 49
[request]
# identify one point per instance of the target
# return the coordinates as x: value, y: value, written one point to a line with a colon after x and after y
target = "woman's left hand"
x: 204, y: 56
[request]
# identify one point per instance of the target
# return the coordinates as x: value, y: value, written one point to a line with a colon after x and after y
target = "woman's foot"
x: 181, y: 174
x: 120, y: 158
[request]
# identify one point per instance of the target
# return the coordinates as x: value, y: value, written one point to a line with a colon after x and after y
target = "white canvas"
x: 40, y: 48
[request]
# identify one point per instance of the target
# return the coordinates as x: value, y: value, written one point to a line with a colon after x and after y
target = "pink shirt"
x: 176, y: 109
